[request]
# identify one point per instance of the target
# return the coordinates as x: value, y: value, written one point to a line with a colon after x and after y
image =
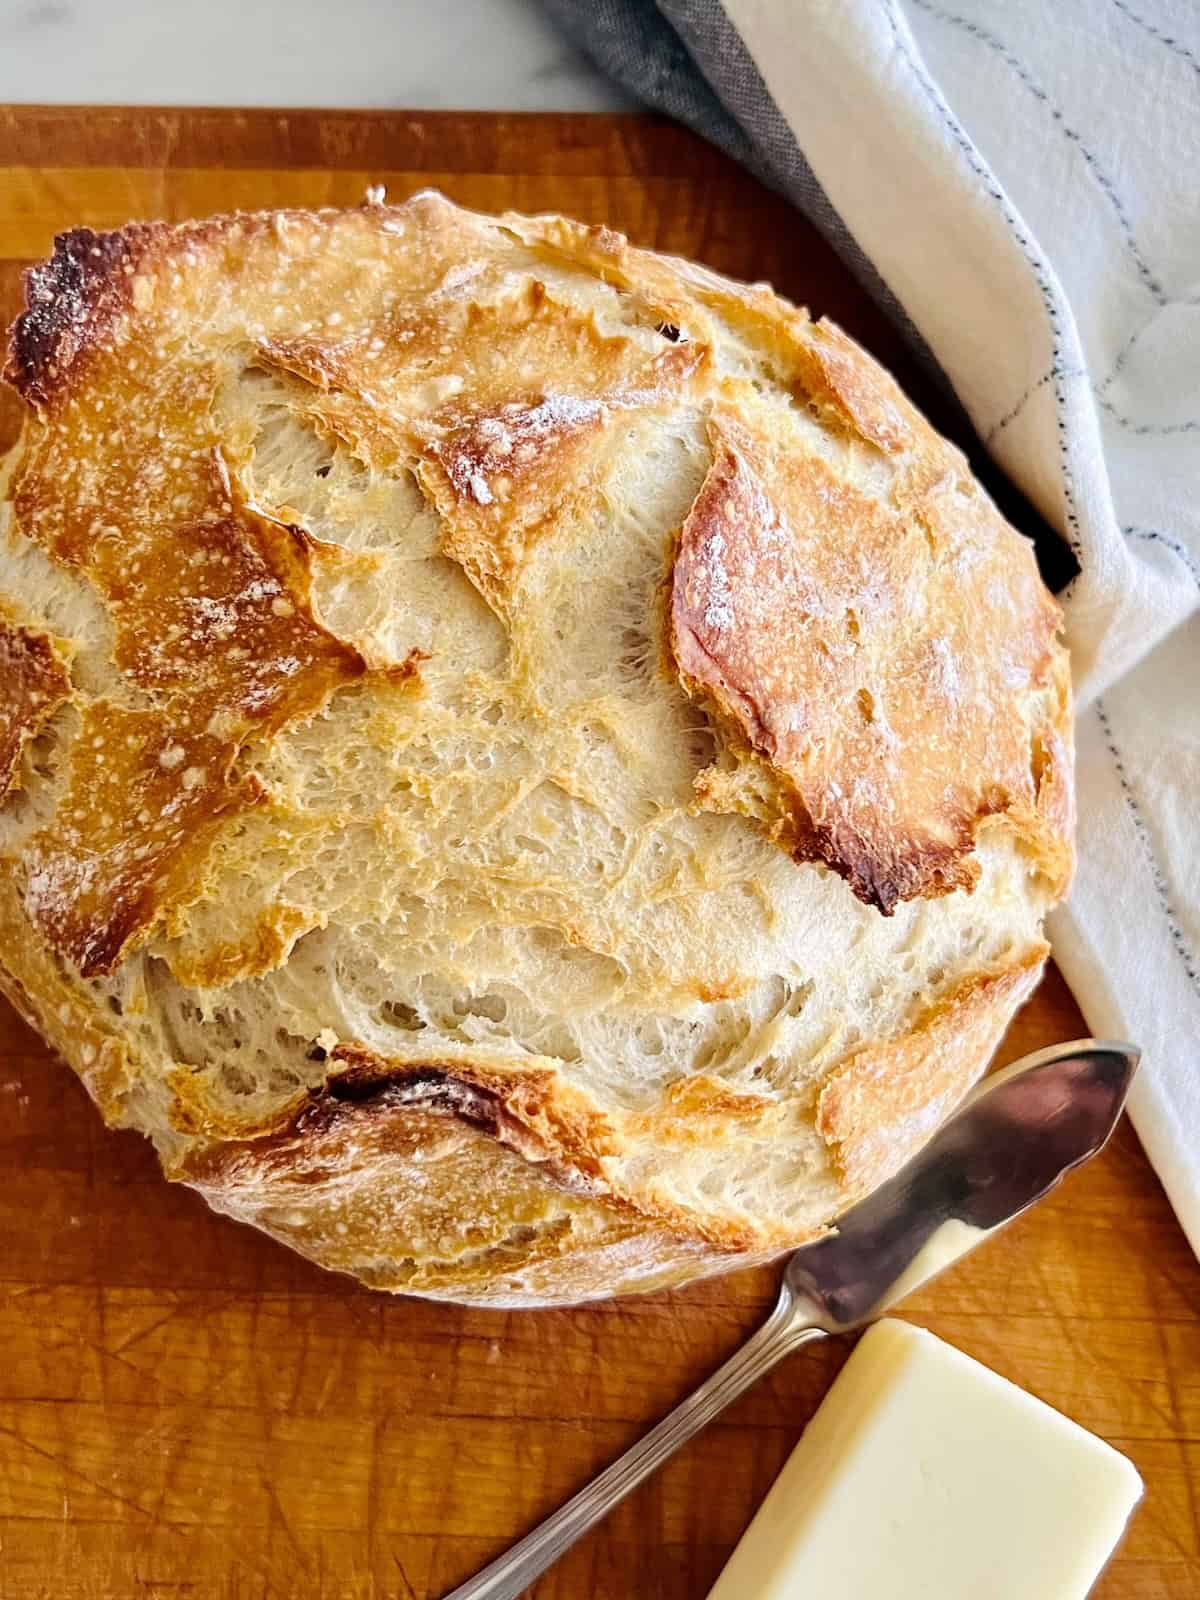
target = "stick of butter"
x: 924, y: 1476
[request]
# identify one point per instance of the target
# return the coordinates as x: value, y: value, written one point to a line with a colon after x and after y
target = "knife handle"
x: 511, y: 1574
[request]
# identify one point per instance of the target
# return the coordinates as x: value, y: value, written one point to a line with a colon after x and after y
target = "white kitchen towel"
x: 1019, y: 181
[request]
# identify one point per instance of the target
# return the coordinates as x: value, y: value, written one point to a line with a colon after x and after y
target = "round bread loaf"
x: 528, y: 769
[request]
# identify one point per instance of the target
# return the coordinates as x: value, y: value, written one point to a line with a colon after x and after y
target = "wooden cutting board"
x: 188, y: 1410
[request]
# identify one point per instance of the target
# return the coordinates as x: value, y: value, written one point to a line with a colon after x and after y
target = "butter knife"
x: 1012, y: 1141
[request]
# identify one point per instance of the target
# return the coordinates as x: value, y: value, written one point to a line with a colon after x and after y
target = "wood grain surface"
x: 187, y: 1410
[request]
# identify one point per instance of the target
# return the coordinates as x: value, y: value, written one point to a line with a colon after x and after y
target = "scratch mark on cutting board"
x: 102, y: 1489
x: 278, y: 1513
x: 409, y: 1592
x: 182, y: 1306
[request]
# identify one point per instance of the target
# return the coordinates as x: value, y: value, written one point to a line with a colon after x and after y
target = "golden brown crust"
x: 34, y: 682
x: 871, y: 656
x: 535, y: 1111
x: 45, y: 994
x: 213, y: 619
x: 878, y: 1108
x: 865, y: 398
x: 264, y: 945
x: 501, y: 453
x: 550, y: 1116
x: 507, y: 374
x: 409, y: 1188
x: 1047, y: 826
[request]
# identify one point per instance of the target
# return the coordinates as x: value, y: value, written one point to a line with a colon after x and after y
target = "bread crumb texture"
x: 526, y: 768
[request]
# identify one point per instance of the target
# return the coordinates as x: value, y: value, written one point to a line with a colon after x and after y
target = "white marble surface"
x: 464, y: 54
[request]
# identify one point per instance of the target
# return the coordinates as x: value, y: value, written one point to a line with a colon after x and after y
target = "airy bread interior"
x: 514, y: 959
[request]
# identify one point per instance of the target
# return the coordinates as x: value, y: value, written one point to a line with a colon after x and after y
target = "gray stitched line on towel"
x: 1015, y: 411
x: 1162, y: 887
x: 1018, y: 67
x: 1123, y: 355
x: 1021, y: 235
x: 1160, y: 430
x: 1126, y: 349
x: 1176, y: 546
x: 1173, y: 45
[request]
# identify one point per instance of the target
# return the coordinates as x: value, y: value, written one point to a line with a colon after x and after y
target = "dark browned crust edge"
x: 912, y: 869
x: 69, y: 301
x: 431, y: 1088
x: 363, y: 1085
x: 506, y: 1111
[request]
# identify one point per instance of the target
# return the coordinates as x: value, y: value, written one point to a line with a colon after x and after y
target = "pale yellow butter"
x: 925, y: 1476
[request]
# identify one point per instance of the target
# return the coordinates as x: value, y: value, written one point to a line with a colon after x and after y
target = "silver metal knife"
x: 1012, y: 1141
